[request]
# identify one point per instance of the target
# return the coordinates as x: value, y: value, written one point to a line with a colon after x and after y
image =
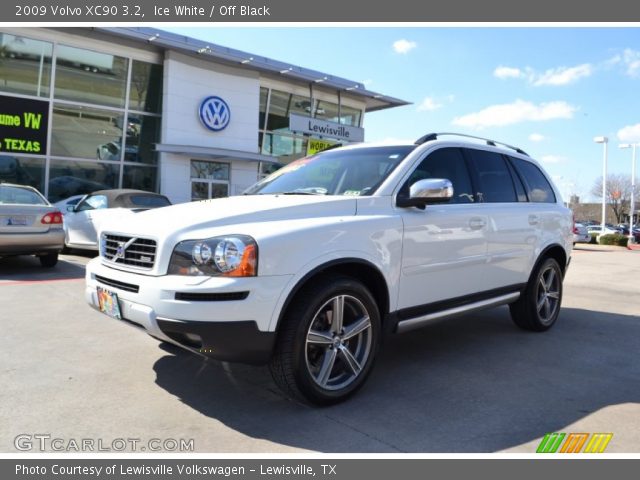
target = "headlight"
x: 229, y: 256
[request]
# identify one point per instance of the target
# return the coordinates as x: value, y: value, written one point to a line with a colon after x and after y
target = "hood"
x: 187, y: 217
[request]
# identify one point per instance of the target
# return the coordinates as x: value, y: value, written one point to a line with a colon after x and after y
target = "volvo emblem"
x: 214, y: 113
x: 121, y: 249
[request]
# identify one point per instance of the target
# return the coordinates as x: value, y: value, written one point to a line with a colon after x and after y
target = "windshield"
x: 354, y: 172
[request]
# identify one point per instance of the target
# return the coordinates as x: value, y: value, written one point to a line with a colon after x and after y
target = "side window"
x: 538, y: 187
x: 92, y: 203
x: 517, y: 182
x: 495, y: 183
x: 446, y: 163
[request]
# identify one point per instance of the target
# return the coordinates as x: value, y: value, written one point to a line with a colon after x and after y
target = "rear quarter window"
x: 539, y: 189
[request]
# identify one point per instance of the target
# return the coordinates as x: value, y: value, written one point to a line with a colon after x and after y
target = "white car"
x: 68, y: 204
x: 308, y: 269
x: 82, y: 222
x: 598, y: 229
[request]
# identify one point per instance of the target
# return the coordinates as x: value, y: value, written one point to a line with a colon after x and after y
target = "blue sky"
x: 546, y: 90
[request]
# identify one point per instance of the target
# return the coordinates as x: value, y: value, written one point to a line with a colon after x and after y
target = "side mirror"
x: 427, y: 191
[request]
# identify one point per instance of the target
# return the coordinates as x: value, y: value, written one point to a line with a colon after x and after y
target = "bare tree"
x: 618, y: 193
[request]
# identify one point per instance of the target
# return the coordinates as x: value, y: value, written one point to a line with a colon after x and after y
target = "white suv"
x: 309, y: 267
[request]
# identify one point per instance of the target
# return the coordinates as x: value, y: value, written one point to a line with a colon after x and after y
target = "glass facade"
x: 104, y: 117
x: 276, y: 139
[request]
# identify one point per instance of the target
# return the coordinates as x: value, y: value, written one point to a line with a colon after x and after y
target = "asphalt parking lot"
x: 471, y: 384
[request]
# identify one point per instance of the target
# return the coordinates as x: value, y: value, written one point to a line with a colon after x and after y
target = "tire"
x: 538, y: 307
x: 317, y: 359
x: 49, y: 260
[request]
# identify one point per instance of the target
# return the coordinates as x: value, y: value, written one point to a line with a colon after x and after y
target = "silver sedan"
x: 29, y: 224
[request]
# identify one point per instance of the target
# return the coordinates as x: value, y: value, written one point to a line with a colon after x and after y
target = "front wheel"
x: 327, y: 341
x: 538, y: 307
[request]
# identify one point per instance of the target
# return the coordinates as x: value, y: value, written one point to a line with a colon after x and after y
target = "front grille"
x: 127, y: 287
x: 134, y: 251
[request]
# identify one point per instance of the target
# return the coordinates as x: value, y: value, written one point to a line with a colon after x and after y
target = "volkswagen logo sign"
x: 215, y: 113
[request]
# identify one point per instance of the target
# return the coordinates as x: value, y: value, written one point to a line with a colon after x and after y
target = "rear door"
x: 543, y: 212
x: 512, y: 233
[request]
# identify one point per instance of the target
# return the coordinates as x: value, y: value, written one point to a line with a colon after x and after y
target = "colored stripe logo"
x: 574, y: 442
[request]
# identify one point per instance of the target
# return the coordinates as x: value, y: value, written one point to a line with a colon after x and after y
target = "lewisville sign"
x: 23, y: 125
x: 323, y: 128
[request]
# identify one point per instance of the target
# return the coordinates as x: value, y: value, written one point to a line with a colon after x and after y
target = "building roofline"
x: 210, y: 51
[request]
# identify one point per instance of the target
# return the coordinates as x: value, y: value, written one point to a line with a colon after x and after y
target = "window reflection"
x: 86, y: 132
x: 68, y: 178
x: 282, y: 105
x: 91, y: 77
x: 209, y: 170
x: 23, y: 171
x: 287, y: 147
x: 142, y: 133
x: 25, y: 65
x: 327, y: 111
x: 140, y: 178
x: 145, y: 94
x: 350, y: 116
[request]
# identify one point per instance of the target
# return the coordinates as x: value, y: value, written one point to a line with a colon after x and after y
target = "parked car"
x: 63, y: 205
x: 580, y: 234
x: 309, y: 267
x: 624, y: 230
x: 29, y: 224
x: 598, y: 229
x: 83, y: 221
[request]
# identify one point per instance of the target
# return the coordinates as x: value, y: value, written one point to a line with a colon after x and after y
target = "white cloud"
x: 552, y: 77
x: 552, y: 159
x: 429, y: 104
x: 563, y: 75
x: 404, y: 46
x: 515, y: 112
x: 630, y: 133
x: 536, y: 137
x: 631, y: 60
x: 507, y: 72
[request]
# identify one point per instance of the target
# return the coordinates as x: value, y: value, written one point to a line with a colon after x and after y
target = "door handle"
x: 534, y: 220
x: 477, y: 223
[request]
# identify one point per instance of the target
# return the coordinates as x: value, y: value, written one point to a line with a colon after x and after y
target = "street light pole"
x: 604, y: 141
x: 633, y: 187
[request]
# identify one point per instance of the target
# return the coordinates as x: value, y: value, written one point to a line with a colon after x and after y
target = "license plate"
x: 14, y: 221
x: 108, y: 303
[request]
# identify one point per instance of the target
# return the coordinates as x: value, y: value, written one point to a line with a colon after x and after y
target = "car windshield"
x: 20, y: 196
x: 356, y: 172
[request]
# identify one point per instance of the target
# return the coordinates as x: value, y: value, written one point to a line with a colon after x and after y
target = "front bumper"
x: 223, y: 318
x: 31, y: 243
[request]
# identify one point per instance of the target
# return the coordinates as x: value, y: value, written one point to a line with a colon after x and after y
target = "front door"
x: 445, y: 245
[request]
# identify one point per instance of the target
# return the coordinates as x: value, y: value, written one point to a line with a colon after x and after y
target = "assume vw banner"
x: 215, y: 113
x: 23, y: 125
x: 323, y: 128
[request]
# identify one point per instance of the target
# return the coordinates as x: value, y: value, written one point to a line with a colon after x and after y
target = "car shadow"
x: 27, y: 268
x: 471, y: 384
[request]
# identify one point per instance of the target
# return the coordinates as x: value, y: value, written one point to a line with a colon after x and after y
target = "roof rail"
x: 434, y: 136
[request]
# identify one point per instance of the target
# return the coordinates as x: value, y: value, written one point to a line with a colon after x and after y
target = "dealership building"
x: 83, y: 109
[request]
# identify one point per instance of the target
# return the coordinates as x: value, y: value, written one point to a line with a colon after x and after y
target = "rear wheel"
x: 538, y: 307
x: 49, y: 260
x: 327, y: 342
